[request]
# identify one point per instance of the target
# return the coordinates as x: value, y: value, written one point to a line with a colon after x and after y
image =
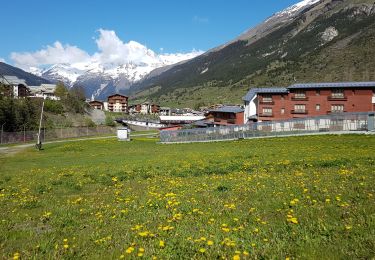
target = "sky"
x: 38, y: 27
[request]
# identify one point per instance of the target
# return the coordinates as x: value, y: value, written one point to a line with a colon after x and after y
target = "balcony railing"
x: 266, y: 114
x: 265, y: 102
x: 301, y: 112
x: 337, y: 98
x: 300, y: 98
x: 336, y: 111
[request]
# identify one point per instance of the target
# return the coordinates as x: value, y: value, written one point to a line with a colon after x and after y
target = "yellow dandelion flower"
x: 16, y: 256
x: 161, y: 243
x: 129, y: 250
x: 202, y: 250
x: 143, y: 234
x: 210, y: 242
x: 236, y: 257
x: 66, y: 246
x: 225, y: 229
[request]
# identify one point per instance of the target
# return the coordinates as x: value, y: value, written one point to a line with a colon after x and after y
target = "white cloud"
x: 2, y: 60
x: 57, y: 53
x: 111, y: 50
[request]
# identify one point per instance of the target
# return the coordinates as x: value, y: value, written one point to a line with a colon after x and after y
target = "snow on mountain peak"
x: 297, y: 7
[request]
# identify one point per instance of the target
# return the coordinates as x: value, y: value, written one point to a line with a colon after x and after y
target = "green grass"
x: 299, y: 197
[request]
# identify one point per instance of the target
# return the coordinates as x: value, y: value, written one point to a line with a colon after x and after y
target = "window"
x: 299, y: 108
x: 317, y: 107
x: 338, y: 93
x: 337, y: 108
x: 267, y: 111
x: 267, y: 98
x: 318, y: 92
x: 283, y: 111
x: 300, y: 94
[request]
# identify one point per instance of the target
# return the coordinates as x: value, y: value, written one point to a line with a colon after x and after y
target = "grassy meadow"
x: 280, y: 198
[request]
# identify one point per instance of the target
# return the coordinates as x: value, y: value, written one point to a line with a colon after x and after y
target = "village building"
x: 45, y: 91
x: 165, y: 111
x: 14, y: 87
x: 95, y: 104
x: 226, y: 115
x: 308, y: 100
x: 118, y: 103
x: 145, y: 108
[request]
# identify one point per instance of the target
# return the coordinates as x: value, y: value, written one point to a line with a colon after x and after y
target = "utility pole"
x: 24, y: 132
x: 39, y: 143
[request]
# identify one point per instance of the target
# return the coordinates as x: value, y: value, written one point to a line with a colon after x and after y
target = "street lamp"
x: 1, y: 134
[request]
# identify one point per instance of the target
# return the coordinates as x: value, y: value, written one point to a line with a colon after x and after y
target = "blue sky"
x: 163, y: 26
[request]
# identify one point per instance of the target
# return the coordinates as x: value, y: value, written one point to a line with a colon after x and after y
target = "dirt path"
x: 10, y: 150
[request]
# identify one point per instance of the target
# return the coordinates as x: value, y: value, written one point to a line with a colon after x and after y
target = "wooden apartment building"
x: 307, y: 100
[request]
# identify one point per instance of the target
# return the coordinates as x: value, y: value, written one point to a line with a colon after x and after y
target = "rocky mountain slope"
x: 31, y: 79
x: 312, y: 41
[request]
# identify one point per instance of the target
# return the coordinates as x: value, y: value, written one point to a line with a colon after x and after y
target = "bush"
x: 53, y: 106
x: 109, y: 121
x: 89, y: 122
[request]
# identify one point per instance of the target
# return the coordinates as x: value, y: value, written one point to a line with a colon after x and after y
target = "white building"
x: 46, y: 91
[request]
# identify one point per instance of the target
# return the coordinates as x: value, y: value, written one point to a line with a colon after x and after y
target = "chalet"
x: 145, y: 108
x: 226, y: 115
x: 165, y: 111
x: 307, y: 100
x: 118, y: 103
x: 46, y: 91
x: 14, y: 87
x: 95, y: 104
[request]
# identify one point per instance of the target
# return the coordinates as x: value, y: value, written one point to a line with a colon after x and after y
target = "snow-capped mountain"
x: 276, y: 21
x: 292, y: 10
x: 100, y: 79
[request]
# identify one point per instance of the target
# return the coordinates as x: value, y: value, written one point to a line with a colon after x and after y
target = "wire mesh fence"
x: 345, y: 122
x: 53, y: 134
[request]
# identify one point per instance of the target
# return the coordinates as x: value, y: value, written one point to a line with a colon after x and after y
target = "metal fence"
x: 345, y: 122
x: 53, y: 134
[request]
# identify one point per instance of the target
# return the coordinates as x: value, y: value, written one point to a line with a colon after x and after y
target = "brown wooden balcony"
x: 336, y: 112
x: 300, y: 112
x: 299, y: 98
x: 266, y: 114
x: 333, y: 98
x: 266, y: 102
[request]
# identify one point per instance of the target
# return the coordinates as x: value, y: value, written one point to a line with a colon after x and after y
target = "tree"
x: 78, y: 93
x: 61, y: 90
